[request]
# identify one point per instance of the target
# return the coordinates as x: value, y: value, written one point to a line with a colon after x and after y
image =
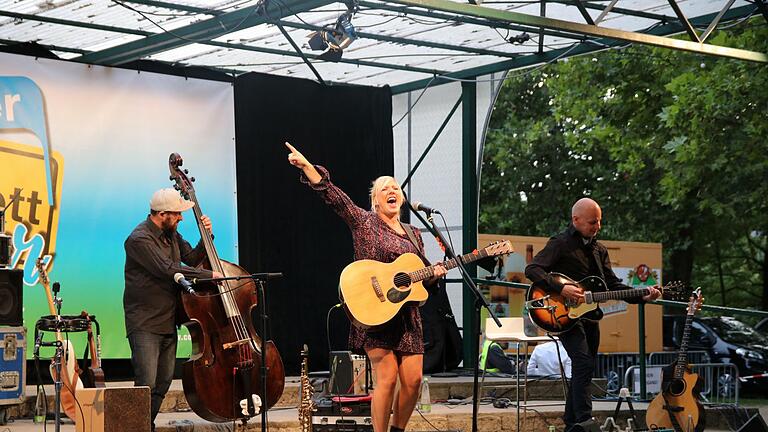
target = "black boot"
x: 395, y: 429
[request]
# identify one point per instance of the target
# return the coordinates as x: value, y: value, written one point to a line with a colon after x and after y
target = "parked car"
x: 726, y: 340
x: 762, y: 326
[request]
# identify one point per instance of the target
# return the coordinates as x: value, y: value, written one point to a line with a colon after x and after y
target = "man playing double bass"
x: 154, y: 253
x: 576, y: 254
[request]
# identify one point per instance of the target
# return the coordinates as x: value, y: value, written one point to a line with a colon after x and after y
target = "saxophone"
x: 306, y: 404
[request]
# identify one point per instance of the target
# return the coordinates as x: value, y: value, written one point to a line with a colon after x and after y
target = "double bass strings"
x: 230, y: 306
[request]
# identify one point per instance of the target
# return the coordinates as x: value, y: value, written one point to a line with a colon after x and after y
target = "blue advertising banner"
x: 113, y: 131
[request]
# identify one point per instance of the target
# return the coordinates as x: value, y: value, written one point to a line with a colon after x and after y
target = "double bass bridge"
x: 235, y: 344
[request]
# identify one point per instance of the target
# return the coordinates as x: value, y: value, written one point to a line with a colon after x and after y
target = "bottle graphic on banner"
x: 30, y: 181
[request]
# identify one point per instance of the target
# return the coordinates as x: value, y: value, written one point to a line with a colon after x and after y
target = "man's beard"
x: 169, y: 228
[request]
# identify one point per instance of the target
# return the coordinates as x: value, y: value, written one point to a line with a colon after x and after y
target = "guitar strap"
x: 412, y: 237
x: 598, y: 262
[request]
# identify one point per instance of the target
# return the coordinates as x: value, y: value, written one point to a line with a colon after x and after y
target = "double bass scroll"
x: 222, y: 378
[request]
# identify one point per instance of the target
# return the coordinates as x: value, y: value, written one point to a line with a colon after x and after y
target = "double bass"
x: 222, y: 378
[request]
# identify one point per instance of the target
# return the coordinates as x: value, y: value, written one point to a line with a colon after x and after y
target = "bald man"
x: 576, y: 254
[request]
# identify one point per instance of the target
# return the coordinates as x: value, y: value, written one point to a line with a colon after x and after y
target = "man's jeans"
x: 153, y: 357
x: 581, y: 343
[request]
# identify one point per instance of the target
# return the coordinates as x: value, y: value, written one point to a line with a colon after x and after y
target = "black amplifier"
x: 343, y: 414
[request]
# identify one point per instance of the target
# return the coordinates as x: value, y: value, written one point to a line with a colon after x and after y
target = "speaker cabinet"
x: 114, y: 409
x: 348, y: 373
x: 754, y: 424
x: 10, y: 297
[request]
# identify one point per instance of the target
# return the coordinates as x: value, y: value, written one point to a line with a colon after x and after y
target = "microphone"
x: 181, y: 280
x: 420, y: 206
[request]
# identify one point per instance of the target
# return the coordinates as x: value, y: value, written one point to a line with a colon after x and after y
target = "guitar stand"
x: 624, y: 396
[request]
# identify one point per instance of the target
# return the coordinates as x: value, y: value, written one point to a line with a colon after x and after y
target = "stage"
x: 456, y: 414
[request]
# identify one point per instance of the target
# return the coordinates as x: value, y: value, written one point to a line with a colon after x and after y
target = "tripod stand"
x: 58, y: 326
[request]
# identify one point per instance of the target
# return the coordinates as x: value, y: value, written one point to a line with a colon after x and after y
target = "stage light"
x: 316, y: 41
x: 335, y: 38
x: 519, y: 39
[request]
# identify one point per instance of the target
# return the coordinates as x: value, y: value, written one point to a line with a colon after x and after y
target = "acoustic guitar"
x: 70, y: 376
x: 374, y: 292
x: 677, y: 406
x: 555, y: 314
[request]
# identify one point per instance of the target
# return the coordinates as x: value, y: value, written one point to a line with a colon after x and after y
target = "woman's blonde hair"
x: 377, y: 187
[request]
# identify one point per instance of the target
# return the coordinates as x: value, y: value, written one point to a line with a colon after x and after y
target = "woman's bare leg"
x: 385, y: 367
x: 410, y: 371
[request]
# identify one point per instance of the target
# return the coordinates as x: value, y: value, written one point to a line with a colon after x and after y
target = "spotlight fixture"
x: 336, y: 37
x: 519, y: 39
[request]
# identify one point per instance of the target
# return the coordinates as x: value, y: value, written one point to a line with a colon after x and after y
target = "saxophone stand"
x: 480, y: 302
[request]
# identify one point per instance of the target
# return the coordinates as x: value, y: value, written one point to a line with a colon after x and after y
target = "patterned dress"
x: 374, y: 239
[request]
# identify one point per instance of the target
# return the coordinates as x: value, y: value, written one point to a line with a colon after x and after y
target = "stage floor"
x: 443, y: 416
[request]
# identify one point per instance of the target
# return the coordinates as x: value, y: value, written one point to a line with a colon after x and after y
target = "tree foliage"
x: 672, y: 145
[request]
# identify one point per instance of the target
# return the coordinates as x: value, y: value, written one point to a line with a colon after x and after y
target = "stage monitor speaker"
x: 755, y: 424
x: 586, y: 426
x: 114, y: 409
x: 11, y: 305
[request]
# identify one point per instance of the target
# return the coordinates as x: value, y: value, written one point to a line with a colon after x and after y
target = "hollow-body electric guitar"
x: 555, y: 314
x: 374, y: 292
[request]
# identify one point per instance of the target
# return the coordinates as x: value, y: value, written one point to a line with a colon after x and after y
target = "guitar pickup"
x: 588, y: 299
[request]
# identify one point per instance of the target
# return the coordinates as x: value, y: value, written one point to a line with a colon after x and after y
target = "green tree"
x: 671, y: 144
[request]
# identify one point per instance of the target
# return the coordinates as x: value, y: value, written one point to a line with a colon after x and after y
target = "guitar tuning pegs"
x: 192, y: 179
x: 186, y: 171
x: 170, y: 178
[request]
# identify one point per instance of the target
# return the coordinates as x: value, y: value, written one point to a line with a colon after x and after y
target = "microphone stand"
x: 261, y: 296
x: 260, y: 279
x: 480, y: 302
x: 57, y: 360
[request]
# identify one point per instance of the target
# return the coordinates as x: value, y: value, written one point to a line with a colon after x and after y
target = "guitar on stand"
x: 70, y: 372
x: 678, y: 406
x: 93, y: 375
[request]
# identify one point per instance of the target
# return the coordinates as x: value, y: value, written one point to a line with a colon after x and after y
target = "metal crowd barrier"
x: 720, y: 383
x: 668, y: 357
x: 613, y: 366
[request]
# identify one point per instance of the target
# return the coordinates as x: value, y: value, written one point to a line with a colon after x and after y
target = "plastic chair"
x: 513, y: 330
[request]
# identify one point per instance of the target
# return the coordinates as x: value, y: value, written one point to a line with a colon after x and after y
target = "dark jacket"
x: 569, y: 254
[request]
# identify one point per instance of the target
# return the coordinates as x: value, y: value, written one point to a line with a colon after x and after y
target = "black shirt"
x: 151, y: 259
x: 569, y: 254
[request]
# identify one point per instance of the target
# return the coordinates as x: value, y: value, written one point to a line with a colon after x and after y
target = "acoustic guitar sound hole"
x: 677, y: 387
x: 402, y: 280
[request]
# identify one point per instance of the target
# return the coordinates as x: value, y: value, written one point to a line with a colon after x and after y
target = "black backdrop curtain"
x: 283, y: 225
